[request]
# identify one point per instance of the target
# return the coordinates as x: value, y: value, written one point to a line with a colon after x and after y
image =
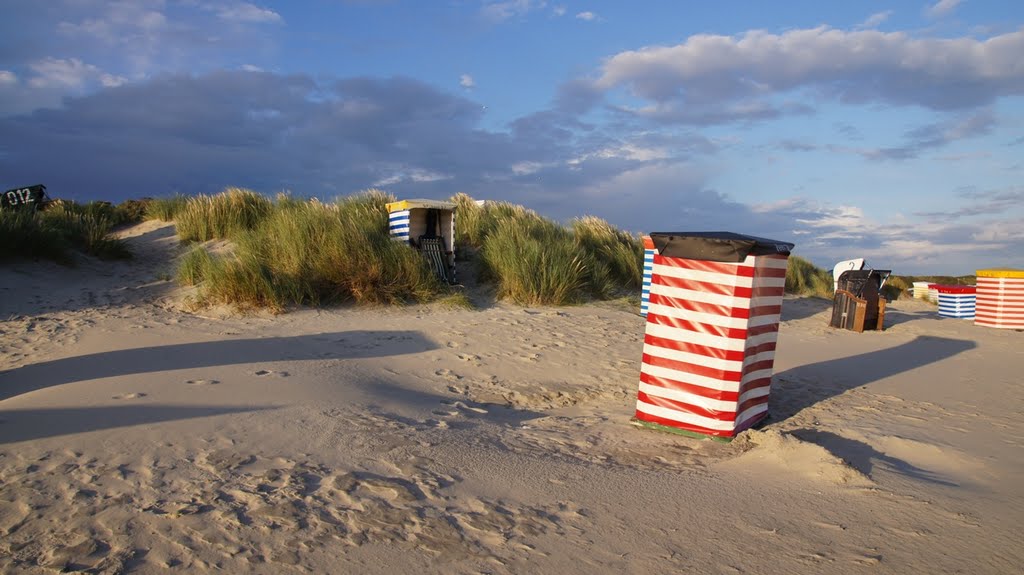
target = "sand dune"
x: 138, y: 437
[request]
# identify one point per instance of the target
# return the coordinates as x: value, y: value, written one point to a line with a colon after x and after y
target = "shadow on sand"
x: 337, y: 345
x: 801, y: 387
x: 865, y: 458
x: 29, y: 424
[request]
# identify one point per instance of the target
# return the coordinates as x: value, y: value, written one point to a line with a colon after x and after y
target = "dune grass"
x: 24, y: 235
x: 166, y: 209
x: 616, y: 257
x: 289, y: 252
x: 804, y: 278
x: 221, y: 216
x: 64, y: 227
x: 532, y: 260
x: 311, y: 253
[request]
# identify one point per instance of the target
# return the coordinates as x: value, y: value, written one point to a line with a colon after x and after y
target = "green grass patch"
x: 57, y: 232
x: 220, y: 216
x: 804, y: 278
x: 532, y: 260
x: 311, y: 253
x: 166, y: 209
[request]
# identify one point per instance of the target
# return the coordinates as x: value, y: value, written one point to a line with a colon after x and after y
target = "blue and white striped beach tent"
x: 413, y: 221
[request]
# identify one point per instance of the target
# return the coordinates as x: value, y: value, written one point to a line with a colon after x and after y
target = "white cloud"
x: 876, y: 19
x: 8, y: 78
x: 250, y: 68
x: 466, y: 81
x: 112, y: 81
x: 1000, y: 231
x: 508, y: 9
x: 942, y: 8
x: 122, y: 21
x: 248, y: 13
x: 58, y: 72
x: 558, y: 10
x: 588, y: 16
x: 827, y: 233
x: 527, y: 168
x: 410, y: 174
x: 743, y: 77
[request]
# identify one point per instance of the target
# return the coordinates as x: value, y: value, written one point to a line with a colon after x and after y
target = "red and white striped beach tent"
x: 712, y: 326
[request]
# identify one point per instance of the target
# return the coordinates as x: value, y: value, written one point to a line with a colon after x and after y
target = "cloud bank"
x: 758, y: 75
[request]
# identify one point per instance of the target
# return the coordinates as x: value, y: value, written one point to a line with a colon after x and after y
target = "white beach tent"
x: 845, y: 265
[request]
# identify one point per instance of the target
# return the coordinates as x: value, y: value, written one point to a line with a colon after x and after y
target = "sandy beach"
x: 140, y: 436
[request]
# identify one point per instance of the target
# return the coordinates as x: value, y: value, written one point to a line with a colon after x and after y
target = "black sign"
x: 29, y: 197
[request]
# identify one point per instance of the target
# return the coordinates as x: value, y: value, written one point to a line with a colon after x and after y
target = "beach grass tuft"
x: 220, y: 216
x: 533, y: 260
x: 61, y: 229
x: 804, y: 278
x: 311, y: 253
x: 166, y: 209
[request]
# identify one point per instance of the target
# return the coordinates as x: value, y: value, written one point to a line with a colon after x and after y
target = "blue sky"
x: 892, y: 131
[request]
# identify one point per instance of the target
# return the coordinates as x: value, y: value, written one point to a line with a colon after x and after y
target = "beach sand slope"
x: 137, y: 436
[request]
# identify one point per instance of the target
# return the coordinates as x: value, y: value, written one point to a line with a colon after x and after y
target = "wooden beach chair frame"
x: 842, y: 306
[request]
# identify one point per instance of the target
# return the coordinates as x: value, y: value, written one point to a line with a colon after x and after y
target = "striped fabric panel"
x: 709, y: 345
x: 999, y: 311
x: 998, y: 323
x: 999, y: 303
x: 765, y: 311
x: 959, y: 306
x: 645, y: 292
x: 398, y: 225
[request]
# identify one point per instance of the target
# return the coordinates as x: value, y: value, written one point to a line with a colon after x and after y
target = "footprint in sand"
x: 461, y: 405
x: 270, y: 372
x: 202, y: 382
x: 129, y: 396
x: 448, y: 374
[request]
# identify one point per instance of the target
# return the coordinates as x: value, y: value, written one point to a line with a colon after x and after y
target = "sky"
x: 892, y: 131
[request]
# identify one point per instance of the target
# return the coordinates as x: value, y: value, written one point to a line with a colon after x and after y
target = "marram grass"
x: 804, y: 278
x: 221, y: 216
x: 166, y: 209
x: 311, y: 253
x: 57, y: 232
x: 532, y: 260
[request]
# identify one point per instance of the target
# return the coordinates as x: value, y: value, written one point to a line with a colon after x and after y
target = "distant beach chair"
x: 858, y: 305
